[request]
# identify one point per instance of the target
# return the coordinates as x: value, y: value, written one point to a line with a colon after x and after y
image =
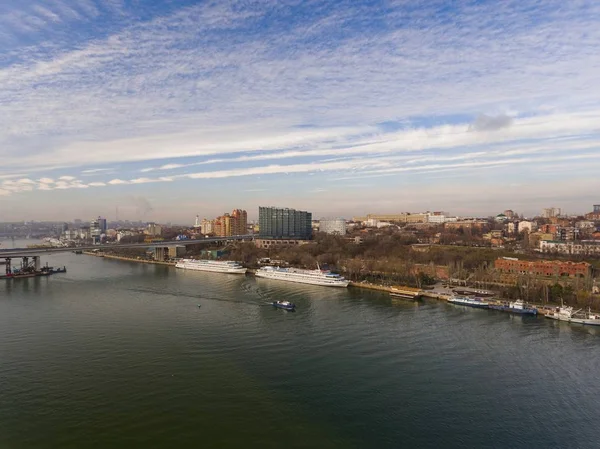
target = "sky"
x: 164, y: 110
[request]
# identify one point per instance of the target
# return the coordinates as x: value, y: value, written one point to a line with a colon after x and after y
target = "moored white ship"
x: 216, y: 266
x: 314, y: 277
x: 567, y: 314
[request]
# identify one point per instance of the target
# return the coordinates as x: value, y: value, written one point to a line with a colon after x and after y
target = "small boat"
x: 517, y: 306
x: 469, y: 302
x: 286, y: 305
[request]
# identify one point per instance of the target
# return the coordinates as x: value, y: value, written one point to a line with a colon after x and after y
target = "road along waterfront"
x: 118, y: 354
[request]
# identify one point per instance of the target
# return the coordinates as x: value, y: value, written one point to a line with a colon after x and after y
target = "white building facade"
x: 580, y: 247
x: 333, y: 226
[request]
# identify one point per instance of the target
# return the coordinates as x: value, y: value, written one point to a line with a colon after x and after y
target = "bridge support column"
x: 36, y: 263
x: 8, y: 266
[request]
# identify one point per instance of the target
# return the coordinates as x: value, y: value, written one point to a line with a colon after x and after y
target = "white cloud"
x: 114, y: 182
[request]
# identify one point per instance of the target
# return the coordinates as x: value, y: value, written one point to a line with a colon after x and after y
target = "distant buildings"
x: 284, y: 223
x: 333, y: 226
x: 551, y: 212
x: 227, y: 225
x: 595, y: 215
x: 153, y: 230
x: 406, y: 218
x: 479, y: 225
x: 440, y: 218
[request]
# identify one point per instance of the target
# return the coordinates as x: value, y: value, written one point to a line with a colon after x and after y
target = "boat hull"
x: 584, y: 321
x: 468, y: 304
x: 212, y: 269
x: 515, y: 311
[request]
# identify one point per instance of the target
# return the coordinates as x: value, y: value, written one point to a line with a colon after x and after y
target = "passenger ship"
x: 313, y: 277
x: 211, y: 265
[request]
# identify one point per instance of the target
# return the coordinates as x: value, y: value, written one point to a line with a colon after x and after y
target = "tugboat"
x: 286, y: 305
x: 517, y: 306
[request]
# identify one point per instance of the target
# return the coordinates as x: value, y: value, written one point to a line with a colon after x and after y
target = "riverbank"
x: 431, y: 294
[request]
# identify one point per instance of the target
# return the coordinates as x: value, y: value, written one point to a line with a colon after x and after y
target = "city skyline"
x: 166, y: 110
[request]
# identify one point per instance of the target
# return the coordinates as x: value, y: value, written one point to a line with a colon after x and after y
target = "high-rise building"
x: 231, y: 224
x: 279, y: 223
x: 333, y: 226
x: 102, y: 224
x: 597, y: 208
x: 95, y: 231
x: 240, y: 222
x: 207, y: 226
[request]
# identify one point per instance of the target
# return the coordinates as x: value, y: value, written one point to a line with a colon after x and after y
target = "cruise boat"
x: 313, y: 277
x: 217, y: 266
x: 517, y: 306
x: 469, y: 302
x: 567, y: 314
x: 286, y: 305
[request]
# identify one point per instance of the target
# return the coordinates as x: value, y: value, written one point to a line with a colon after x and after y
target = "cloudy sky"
x: 168, y: 109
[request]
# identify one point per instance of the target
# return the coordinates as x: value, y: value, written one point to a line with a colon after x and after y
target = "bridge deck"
x: 24, y: 252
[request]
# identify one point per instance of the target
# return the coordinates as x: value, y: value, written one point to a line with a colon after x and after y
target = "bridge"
x: 24, y: 252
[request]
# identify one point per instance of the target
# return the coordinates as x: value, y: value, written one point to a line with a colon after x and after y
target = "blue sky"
x: 338, y: 107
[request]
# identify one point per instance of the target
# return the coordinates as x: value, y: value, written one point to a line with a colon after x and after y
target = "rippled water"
x: 115, y: 354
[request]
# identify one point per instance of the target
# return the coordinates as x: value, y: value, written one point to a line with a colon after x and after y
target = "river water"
x: 117, y: 354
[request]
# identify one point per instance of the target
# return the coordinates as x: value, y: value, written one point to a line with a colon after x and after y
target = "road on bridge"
x: 24, y: 252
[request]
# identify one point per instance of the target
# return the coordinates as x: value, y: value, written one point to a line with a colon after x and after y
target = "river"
x: 118, y: 354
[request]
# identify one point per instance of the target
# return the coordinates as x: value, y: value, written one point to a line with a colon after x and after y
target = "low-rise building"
x: 575, y: 247
x: 543, y: 267
x: 526, y: 225
x: 272, y: 243
x: 440, y: 218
